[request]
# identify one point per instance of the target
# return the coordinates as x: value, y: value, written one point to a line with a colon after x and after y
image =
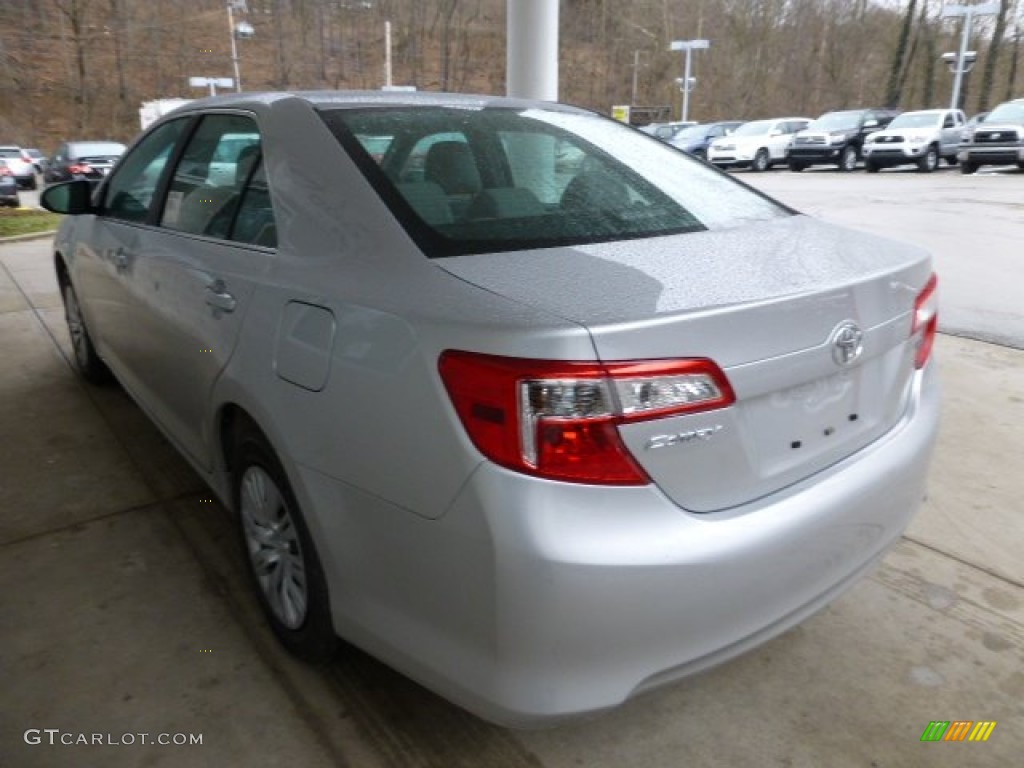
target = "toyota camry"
x: 526, y: 403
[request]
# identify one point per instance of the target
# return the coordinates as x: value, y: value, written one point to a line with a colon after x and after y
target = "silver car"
x: 541, y: 435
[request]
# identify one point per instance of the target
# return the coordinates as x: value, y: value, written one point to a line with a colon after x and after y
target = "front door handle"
x: 217, y: 296
x: 121, y: 260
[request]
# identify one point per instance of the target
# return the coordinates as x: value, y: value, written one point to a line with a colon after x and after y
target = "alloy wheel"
x: 272, y: 542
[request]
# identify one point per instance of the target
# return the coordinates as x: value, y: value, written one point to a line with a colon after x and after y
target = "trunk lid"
x: 775, y: 304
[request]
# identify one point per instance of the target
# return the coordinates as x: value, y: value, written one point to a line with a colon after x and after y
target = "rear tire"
x: 968, y: 167
x: 761, y: 162
x: 280, y: 553
x: 870, y: 167
x: 91, y: 368
x: 795, y: 166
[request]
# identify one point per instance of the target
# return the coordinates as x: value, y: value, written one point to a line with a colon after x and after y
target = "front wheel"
x: 761, y: 161
x: 848, y: 159
x: 283, y: 560
x: 90, y: 366
x: 870, y: 167
x: 929, y: 162
x: 795, y: 166
x: 968, y: 167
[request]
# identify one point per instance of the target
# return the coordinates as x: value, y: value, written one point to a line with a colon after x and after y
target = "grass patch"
x: 25, y: 221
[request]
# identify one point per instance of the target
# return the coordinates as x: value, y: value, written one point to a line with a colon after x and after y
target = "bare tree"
x: 992, y: 56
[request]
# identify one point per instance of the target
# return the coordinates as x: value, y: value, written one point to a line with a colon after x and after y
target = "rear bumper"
x: 531, y: 601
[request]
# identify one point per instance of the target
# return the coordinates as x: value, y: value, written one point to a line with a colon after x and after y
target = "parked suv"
x: 921, y: 137
x: 758, y: 144
x: 997, y: 141
x: 836, y: 138
x: 91, y: 160
x: 22, y: 170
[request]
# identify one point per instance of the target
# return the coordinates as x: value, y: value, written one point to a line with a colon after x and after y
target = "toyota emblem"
x: 847, y: 343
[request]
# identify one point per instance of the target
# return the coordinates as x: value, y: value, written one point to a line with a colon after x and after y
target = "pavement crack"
x: 967, y: 563
x: 79, y: 524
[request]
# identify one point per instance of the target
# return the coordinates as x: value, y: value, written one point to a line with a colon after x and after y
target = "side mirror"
x: 70, y: 198
x: 775, y: 132
x: 869, y: 124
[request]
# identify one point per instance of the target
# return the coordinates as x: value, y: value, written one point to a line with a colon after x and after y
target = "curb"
x: 29, y: 236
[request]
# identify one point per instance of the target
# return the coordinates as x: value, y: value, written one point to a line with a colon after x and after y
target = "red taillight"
x: 5, y: 171
x: 926, y: 321
x: 80, y: 168
x: 559, y: 420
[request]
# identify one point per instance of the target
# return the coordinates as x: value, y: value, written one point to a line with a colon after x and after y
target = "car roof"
x: 360, y: 99
x: 937, y: 111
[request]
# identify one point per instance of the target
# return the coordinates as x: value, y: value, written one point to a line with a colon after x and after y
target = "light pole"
x: 687, y: 83
x: 242, y: 30
x: 968, y: 12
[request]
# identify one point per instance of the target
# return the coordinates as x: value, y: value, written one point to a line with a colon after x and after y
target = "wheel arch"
x: 60, y: 266
x: 231, y: 418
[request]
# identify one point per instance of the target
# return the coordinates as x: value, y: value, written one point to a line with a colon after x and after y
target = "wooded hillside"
x: 80, y: 68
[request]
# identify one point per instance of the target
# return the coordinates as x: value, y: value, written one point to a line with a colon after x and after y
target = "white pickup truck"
x: 920, y: 138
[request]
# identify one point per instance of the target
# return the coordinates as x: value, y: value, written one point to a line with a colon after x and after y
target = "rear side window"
x: 479, y: 180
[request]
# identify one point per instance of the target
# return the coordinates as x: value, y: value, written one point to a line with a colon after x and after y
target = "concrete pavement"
x: 124, y: 610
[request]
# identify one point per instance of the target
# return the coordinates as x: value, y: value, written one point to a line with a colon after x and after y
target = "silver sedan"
x: 526, y: 403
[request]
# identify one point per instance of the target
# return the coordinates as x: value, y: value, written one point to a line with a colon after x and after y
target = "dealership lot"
x: 125, y: 608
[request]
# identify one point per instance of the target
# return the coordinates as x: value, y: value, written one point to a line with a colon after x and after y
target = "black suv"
x: 836, y: 138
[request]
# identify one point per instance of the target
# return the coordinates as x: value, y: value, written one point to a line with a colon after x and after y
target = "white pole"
x: 387, y: 54
x: 234, y: 52
x: 636, y: 68
x: 532, y: 55
x: 961, y: 54
x: 686, y: 85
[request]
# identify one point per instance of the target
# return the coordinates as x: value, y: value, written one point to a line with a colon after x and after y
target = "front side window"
x: 490, y: 179
x: 131, y: 189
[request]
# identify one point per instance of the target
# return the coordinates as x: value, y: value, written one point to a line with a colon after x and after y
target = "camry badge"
x: 681, y: 438
x: 847, y: 343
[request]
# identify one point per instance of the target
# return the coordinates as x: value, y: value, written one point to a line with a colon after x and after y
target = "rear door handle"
x: 217, y: 296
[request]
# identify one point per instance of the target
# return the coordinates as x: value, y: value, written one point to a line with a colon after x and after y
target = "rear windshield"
x: 478, y: 180
x: 97, y: 149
